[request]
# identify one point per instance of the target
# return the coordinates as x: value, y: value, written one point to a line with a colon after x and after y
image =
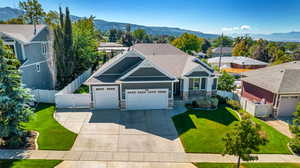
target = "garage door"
x: 146, y: 99
x: 287, y: 105
x: 106, y: 97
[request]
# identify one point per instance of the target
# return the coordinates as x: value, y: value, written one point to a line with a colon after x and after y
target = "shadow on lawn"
x: 221, y: 115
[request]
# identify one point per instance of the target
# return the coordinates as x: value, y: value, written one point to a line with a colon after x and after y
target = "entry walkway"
x: 176, y: 157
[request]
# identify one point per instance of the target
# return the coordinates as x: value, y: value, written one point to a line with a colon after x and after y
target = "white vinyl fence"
x: 67, y: 99
x: 44, y: 96
x: 225, y: 94
x: 256, y: 109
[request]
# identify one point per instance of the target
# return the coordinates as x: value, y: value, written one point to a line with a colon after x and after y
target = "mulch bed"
x: 29, y: 142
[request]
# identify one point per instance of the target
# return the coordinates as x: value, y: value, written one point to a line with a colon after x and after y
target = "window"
x: 37, y: 67
x: 203, y: 83
x: 196, y: 84
x: 44, y: 48
x: 214, y: 86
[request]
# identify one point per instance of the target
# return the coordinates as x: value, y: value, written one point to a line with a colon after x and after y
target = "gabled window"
x: 44, y: 48
x: 37, y: 67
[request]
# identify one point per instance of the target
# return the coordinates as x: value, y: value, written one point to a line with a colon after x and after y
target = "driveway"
x: 121, y: 131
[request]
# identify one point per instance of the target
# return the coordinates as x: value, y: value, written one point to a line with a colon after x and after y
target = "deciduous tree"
x: 245, y: 139
x: 226, y: 82
x: 187, y: 43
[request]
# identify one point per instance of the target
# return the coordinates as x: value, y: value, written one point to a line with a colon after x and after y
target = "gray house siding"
x: 125, y: 86
x: 196, y: 92
x: 37, y: 80
x: 198, y: 74
x: 147, y: 74
x: 19, y: 52
x: 42, y: 36
x: 124, y: 65
x: 34, y: 53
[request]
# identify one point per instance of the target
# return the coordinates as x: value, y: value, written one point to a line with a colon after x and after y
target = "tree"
x: 259, y: 51
x: 139, y: 35
x: 112, y: 35
x: 127, y: 39
x: 14, y: 100
x: 52, y: 18
x: 242, y: 46
x: 34, y: 12
x: 63, y: 50
x: 205, y: 45
x: 281, y: 57
x: 295, y: 129
x: 18, y: 20
x: 246, y: 138
x: 226, y: 82
x: 227, y: 41
x: 85, y: 44
x: 187, y: 43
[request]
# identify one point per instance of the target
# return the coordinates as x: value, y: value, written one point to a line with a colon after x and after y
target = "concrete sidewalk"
x: 136, y: 156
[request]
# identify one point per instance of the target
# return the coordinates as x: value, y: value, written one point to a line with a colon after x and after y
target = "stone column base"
x: 123, y: 105
x: 171, y: 103
x: 185, y: 96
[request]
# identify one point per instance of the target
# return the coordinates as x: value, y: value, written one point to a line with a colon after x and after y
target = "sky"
x: 209, y: 16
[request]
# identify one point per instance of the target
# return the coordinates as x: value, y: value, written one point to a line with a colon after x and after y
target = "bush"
x: 234, y: 104
x: 222, y: 100
x: 295, y: 145
x: 205, y: 102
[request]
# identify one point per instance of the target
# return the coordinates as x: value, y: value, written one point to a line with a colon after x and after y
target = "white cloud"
x: 230, y: 29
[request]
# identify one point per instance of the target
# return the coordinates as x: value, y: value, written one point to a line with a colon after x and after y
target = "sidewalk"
x: 136, y: 157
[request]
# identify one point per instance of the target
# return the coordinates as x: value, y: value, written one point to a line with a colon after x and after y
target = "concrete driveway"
x: 121, y: 131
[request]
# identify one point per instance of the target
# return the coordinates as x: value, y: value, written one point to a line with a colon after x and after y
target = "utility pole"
x: 221, y: 52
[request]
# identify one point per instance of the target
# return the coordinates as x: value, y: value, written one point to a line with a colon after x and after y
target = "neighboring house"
x: 278, y: 85
x: 224, y: 51
x: 199, y: 54
x: 237, y: 64
x: 33, y: 51
x: 111, y: 48
x: 150, y: 76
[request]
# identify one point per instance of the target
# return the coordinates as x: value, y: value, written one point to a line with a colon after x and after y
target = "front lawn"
x: 52, y: 136
x: 202, y: 131
x: 248, y: 165
x: 29, y: 163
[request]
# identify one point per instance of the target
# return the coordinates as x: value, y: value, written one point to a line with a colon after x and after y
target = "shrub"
x: 222, y: 100
x: 295, y: 145
x: 234, y: 104
x: 205, y: 102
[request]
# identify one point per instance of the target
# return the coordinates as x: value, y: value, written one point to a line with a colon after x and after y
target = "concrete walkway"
x: 281, y: 126
x: 136, y: 156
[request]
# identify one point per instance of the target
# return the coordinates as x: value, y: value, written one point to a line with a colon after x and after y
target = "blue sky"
x: 210, y: 16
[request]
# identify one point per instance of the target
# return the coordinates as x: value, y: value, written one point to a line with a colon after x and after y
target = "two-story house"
x: 33, y: 49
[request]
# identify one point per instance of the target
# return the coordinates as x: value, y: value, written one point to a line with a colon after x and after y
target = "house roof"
x: 21, y: 32
x: 170, y: 58
x: 280, y: 79
x: 237, y: 60
x: 224, y: 50
x: 165, y: 57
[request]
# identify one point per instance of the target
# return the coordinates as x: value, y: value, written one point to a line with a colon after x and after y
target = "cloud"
x: 230, y: 29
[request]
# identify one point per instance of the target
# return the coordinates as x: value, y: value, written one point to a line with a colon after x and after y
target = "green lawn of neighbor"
x: 52, y: 136
x: 29, y: 163
x: 248, y: 165
x: 202, y: 131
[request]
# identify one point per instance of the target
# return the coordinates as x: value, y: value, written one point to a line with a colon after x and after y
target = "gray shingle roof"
x: 237, y: 60
x: 168, y: 57
x: 283, y: 78
x: 21, y: 32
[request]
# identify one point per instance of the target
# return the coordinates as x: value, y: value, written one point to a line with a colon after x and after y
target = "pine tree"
x: 14, y: 100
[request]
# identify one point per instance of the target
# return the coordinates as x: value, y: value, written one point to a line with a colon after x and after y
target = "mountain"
x: 290, y: 36
x: 8, y: 13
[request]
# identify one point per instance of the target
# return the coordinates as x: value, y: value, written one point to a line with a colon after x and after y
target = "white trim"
x: 146, y: 63
x: 149, y: 81
x: 23, y: 66
x: 195, y: 69
x: 23, y: 52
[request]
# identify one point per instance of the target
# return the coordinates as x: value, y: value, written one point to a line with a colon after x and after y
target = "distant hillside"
x: 291, y: 36
x: 8, y: 13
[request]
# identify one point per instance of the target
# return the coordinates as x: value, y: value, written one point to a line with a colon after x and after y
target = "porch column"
x: 185, y: 93
x: 209, y: 86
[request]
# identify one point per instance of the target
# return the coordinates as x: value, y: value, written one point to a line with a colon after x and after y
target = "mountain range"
x: 8, y: 13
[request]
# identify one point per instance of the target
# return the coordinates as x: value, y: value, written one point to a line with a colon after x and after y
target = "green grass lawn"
x: 202, y: 131
x: 248, y: 165
x: 29, y: 163
x: 52, y: 136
